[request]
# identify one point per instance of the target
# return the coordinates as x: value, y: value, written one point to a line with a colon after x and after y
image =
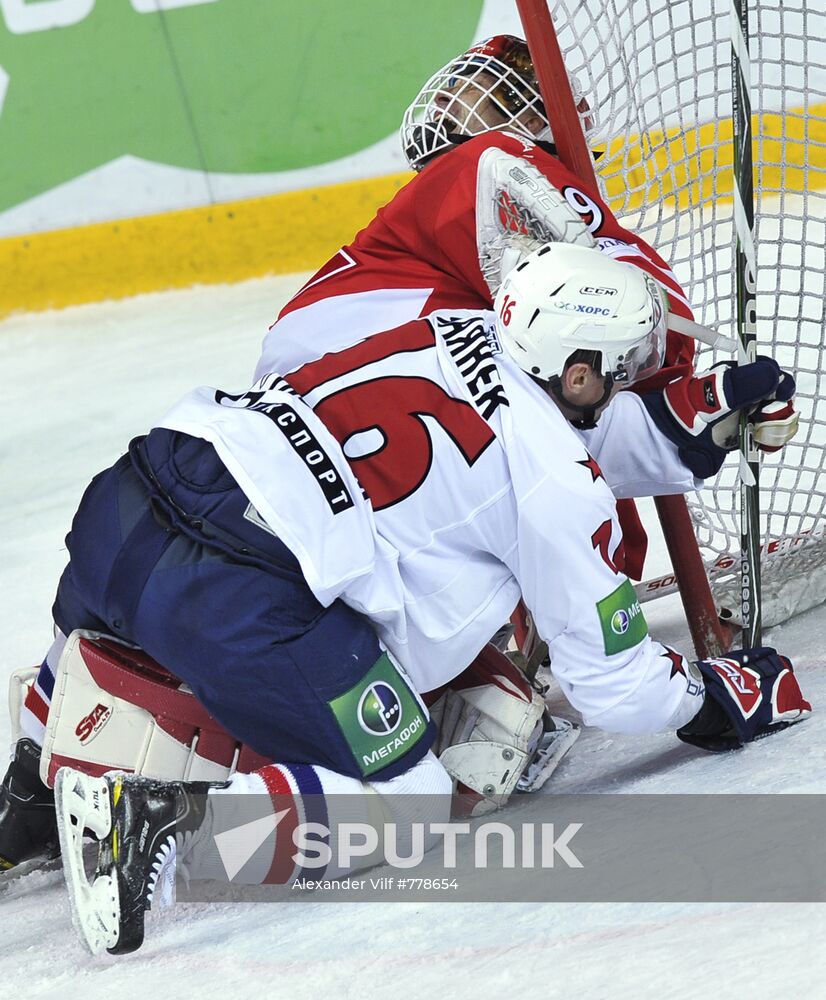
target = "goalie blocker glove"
x: 750, y: 693
x: 701, y: 413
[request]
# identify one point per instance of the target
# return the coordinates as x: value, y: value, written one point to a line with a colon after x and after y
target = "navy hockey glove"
x: 749, y: 693
x: 701, y: 413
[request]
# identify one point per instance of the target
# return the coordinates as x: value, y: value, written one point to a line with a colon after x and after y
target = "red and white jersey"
x: 420, y: 476
x: 422, y: 252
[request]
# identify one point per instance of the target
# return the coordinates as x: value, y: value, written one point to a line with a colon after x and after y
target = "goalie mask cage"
x: 659, y: 75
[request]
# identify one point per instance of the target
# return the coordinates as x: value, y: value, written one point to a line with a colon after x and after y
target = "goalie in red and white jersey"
x: 489, y: 190
x: 311, y: 555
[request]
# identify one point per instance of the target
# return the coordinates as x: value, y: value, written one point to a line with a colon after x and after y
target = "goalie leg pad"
x: 115, y: 708
x: 495, y: 735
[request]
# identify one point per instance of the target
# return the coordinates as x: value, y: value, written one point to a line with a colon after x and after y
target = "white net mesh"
x: 660, y: 75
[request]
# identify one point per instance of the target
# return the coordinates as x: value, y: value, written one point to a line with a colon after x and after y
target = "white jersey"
x: 424, y: 479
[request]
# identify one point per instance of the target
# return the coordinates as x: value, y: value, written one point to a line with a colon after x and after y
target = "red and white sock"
x: 35, y: 709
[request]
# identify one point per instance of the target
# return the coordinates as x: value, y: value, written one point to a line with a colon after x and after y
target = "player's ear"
x: 575, y: 378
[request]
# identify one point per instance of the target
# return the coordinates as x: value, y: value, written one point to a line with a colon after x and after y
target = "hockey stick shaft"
x: 779, y: 550
x: 703, y: 334
x: 746, y: 295
x: 706, y: 631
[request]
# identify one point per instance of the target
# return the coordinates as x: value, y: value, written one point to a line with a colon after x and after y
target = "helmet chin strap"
x: 587, y: 414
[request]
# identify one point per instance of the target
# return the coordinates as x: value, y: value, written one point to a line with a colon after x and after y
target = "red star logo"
x: 591, y: 465
x: 677, y: 662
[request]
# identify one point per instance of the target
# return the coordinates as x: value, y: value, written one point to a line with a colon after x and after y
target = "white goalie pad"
x: 495, y: 736
x: 517, y: 210
x: 114, y: 708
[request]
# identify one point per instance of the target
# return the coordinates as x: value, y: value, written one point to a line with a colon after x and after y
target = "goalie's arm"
x: 517, y: 210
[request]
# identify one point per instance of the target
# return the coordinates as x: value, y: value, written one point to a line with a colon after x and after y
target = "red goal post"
x: 708, y: 634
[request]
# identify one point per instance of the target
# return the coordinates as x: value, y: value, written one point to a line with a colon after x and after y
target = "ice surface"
x: 76, y: 386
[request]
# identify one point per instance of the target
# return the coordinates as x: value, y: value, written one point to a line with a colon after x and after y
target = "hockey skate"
x: 554, y: 736
x: 553, y: 742
x: 136, y: 821
x: 28, y: 828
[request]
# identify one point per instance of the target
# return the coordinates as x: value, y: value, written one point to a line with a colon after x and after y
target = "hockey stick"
x: 707, y: 633
x: 746, y: 275
x: 703, y: 334
x: 808, y: 544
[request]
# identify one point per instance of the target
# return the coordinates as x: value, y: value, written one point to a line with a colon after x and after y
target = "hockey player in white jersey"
x: 350, y: 533
x: 488, y: 194
x: 491, y: 190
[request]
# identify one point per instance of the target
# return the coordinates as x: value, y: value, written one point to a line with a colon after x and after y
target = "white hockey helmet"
x: 565, y: 298
x: 491, y: 86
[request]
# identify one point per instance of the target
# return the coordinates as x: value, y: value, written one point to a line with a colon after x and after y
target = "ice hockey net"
x: 659, y: 72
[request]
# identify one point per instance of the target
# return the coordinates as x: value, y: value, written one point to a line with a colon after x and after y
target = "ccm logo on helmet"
x: 592, y: 290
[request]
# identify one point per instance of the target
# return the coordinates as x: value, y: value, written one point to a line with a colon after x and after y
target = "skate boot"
x: 136, y: 820
x: 28, y: 828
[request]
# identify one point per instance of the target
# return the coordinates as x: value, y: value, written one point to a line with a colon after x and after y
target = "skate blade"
x: 82, y: 802
x: 41, y: 863
x: 552, y: 749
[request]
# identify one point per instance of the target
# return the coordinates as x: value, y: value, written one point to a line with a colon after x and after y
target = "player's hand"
x: 701, y: 413
x: 715, y: 398
x: 749, y: 693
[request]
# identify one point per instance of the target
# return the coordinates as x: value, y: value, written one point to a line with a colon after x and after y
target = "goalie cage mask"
x: 491, y: 86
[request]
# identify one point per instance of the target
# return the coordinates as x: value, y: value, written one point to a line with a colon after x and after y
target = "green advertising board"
x: 247, y: 86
